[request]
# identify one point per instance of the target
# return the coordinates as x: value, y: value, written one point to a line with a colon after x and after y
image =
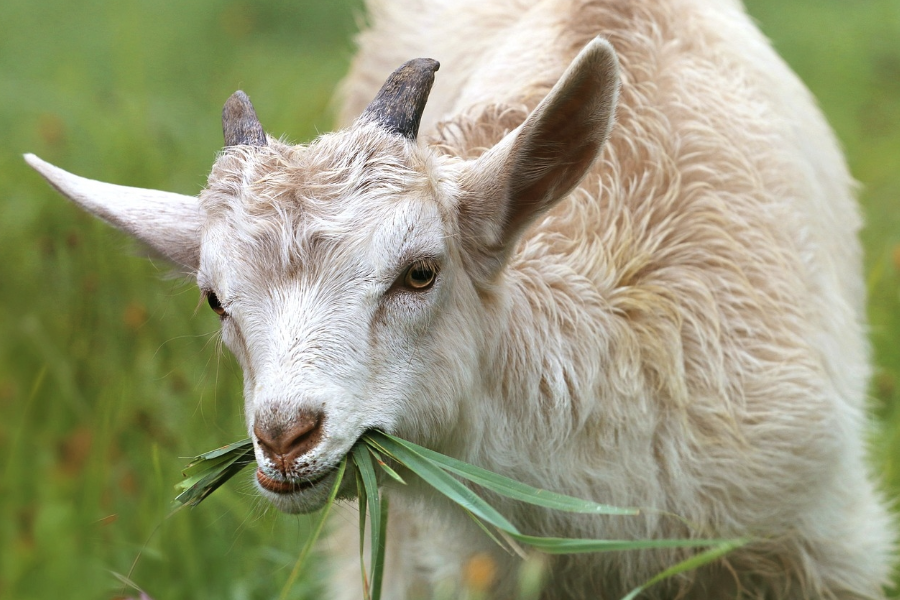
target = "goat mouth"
x: 287, y: 487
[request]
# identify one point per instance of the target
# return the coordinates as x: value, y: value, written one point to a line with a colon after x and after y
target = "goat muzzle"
x: 283, y: 444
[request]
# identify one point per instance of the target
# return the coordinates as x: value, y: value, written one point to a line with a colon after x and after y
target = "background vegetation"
x: 108, y: 376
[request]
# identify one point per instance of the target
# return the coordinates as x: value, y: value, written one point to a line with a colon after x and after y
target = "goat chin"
x: 309, y: 497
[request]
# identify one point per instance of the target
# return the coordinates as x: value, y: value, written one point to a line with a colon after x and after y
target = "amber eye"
x: 420, y: 276
x: 215, y: 304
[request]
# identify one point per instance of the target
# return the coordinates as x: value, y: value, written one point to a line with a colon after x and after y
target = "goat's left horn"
x: 399, y: 104
x: 240, y: 123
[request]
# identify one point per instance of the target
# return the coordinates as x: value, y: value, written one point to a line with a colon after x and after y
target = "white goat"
x: 677, y: 325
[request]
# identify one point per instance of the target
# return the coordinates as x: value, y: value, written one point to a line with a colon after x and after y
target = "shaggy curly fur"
x: 685, y: 331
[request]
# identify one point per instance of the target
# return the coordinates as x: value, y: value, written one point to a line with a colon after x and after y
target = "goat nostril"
x: 292, y: 440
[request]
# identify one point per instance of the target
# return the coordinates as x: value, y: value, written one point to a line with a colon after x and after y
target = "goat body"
x: 677, y: 325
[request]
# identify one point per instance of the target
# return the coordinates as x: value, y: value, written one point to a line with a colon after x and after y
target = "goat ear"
x: 168, y: 223
x: 543, y: 160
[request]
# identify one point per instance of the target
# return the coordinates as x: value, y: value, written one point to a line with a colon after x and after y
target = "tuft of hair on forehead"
x: 335, y: 166
x: 281, y: 198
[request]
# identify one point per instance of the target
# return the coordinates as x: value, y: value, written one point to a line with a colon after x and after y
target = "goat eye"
x: 420, y: 276
x: 215, y: 304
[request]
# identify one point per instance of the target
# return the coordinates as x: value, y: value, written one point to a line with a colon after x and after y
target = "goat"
x: 665, y: 313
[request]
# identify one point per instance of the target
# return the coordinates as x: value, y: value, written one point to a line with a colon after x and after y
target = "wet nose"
x: 284, y: 443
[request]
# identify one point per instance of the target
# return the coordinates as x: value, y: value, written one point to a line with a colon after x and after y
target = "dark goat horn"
x: 399, y: 104
x: 239, y: 122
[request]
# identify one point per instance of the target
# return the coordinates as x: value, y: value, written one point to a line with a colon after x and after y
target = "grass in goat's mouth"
x: 208, y: 471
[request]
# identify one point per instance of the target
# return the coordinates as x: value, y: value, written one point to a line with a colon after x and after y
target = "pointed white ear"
x: 539, y: 163
x: 168, y: 223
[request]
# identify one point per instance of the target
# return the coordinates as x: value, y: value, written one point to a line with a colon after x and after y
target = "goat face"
x: 342, y: 296
x: 359, y: 278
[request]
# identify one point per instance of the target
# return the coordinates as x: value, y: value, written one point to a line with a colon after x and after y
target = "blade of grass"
x: 210, y: 470
x: 200, y: 471
x: 446, y: 484
x: 385, y: 467
x: 241, y: 446
x: 371, y: 438
x: 512, y: 543
x: 484, y: 528
x: 127, y: 582
x: 506, y: 486
x: 691, y: 563
x: 317, y: 530
x: 579, y: 546
x: 213, y: 461
x: 409, y: 455
x: 361, y: 498
x: 378, y: 558
x: 203, y: 488
x: 197, y: 488
x: 370, y: 482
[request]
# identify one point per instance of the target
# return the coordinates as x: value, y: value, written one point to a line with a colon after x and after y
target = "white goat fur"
x: 683, y: 332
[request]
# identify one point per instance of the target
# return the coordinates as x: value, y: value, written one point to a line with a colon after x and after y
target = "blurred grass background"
x: 108, y: 376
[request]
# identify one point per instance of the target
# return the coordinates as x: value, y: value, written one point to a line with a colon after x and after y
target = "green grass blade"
x: 361, y: 499
x: 317, y: 530
x: 510, y: 487
x: 384, y: 466
x: 241, y: 447
x: 429, y: 465
x: 391, y: 473
x: 197, y: 488
x: 378, y: 559
x: 210, y: 470
x: 694, y: 562
x: 580, y: 546
x: 199, y: 471
x: 445, y: 483
x: 486, y: 530
x: 372, y: 442
x: 370, y: 482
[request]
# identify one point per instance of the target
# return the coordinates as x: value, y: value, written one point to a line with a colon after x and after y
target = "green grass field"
x: 109, y: 377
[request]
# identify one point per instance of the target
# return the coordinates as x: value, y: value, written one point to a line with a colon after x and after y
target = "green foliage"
x: 207, y: 472
x: 492, y: 481
x: 370, y: 503
x: 210, y: 470
x: 108, y: 377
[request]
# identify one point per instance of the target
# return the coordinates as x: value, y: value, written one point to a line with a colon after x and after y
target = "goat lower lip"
x: 285, y: 487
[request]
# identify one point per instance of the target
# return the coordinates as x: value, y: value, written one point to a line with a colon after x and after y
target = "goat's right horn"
x: 399, y: 104
x: 240, y: 123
